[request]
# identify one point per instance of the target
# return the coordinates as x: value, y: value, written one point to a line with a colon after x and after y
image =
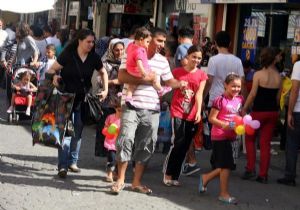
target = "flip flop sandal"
x: 201, y: 189
x: 230, y: 200
x: 117, y: 188
x: 142, y: 189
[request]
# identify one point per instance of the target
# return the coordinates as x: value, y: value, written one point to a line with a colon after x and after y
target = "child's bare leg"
x: 130, y: 90
x: 210, y: 176
x: 12, y: 103
x: 29, y: 100
x: 224, y: 178
x: 109, y: 176
x: 129, y: 93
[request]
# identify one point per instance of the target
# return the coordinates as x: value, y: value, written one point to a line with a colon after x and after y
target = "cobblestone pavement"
x: 28, y: 180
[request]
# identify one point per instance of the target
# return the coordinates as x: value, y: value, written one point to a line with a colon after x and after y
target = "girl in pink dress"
x: 223, y: 111
x: 110, y: 141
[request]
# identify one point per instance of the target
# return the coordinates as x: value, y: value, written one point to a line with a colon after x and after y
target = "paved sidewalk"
x: 28, y: 180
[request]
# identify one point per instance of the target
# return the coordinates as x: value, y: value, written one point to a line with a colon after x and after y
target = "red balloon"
x: 238, y: 120
x: 110, y: 136
x: 249, y: 130
x: 104, y: 131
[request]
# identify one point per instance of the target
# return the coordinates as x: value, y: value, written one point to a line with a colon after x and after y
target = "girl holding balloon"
x: 223, y: 117
x: 264, y: 100
x: 111, y: 131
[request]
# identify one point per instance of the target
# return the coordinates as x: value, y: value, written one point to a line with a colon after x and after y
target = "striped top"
x: 145, y: 96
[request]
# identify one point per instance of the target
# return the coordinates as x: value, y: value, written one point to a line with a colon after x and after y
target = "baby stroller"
x: 20, y: 101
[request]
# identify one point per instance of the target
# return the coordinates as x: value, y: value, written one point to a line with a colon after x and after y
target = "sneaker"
x: 285, y: 181
x: 27, y: 111
x: 248, y: 175
x: 263, y: 180
x: 189, y: 170
x: 74, y: 168
x: 10, y: 109
x: 62, y: 173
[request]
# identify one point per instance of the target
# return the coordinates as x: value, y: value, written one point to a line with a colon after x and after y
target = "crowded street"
x: 28, y: 180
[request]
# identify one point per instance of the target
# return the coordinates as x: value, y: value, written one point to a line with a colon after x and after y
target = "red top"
x: 183, y: 101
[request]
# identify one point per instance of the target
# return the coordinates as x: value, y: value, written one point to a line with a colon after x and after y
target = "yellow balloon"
x: 240, y: 130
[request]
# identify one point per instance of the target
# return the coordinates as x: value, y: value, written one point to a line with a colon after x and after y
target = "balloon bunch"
x: 111, y: 131
x: 245, y: 125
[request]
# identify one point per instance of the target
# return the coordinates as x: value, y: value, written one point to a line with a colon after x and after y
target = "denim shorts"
x: 138, y: 131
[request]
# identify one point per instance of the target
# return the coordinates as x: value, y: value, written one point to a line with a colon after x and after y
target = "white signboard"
x: 74, y: 8
x: 116, y: 8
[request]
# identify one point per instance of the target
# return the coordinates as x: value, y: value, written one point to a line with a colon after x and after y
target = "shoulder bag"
x: 91, y: 107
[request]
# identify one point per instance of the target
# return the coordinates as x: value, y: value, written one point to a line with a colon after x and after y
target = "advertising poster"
x: 249, y: 39
x: 295, y: 49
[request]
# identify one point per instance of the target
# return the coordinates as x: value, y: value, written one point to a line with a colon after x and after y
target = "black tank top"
x: 266, y: 100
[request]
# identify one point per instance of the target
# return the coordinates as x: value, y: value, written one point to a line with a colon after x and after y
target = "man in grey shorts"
x: 139, y: 125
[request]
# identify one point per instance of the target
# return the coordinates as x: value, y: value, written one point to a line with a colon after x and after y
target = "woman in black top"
x: 264, y: 99
x: 78, y: 58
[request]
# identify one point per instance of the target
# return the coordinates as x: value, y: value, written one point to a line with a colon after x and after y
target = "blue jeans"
x: 69, y: 153
x: 292, y: 145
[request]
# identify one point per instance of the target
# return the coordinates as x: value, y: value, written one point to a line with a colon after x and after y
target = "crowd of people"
x: 136, y: 75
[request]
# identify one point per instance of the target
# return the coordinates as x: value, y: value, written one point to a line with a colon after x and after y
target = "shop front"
x: 275, y: 25
x: 117, y: 17
x: 188, y: 13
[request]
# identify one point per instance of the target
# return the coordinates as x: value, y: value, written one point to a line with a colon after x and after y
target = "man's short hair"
x: 155, y: 31
x: 222, y: 39
x: 186, y: 32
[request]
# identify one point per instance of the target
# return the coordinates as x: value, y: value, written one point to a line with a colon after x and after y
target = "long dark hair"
x: 80, y: 35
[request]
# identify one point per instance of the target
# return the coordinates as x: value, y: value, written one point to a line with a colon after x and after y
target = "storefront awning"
x: 114, y: 1
x: 26, y: 6
x: 241, y: 1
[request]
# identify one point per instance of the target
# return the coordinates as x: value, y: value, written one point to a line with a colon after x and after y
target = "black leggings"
x: 111, y: 160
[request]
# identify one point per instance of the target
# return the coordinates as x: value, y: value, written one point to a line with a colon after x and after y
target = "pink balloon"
x: 247, y: 119
x: 255, y: 124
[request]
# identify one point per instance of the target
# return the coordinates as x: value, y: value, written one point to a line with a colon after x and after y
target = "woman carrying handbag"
x: 82, y: 50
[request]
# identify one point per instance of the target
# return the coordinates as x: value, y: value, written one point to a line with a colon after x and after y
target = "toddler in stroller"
x: 22, y: 91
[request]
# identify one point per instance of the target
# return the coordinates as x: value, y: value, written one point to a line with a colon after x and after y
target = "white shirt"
x: 219, y: 66
x: 296, y: 76
x: 53, y: 40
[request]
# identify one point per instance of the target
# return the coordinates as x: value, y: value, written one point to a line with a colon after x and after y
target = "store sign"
x: 74, y: 8
x: 116, y: 8
x: 249, y: 39
x: 241, y: 1
x: 114, y: 1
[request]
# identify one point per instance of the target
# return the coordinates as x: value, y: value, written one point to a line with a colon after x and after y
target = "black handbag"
x: 91, y: 107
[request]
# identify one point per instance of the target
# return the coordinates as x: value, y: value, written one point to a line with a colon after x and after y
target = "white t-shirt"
x: 296, y: 76
x: 219, y: 66
x: 53, y: 40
